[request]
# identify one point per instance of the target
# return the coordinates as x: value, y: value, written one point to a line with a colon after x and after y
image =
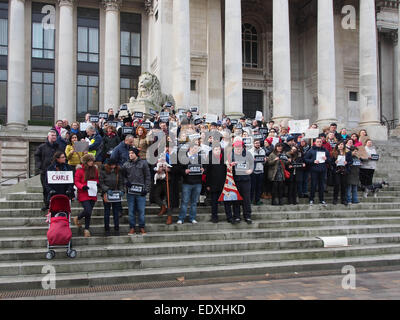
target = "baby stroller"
x: 59, y: 234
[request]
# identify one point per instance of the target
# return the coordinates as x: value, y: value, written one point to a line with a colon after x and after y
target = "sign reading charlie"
x: 60, y: 177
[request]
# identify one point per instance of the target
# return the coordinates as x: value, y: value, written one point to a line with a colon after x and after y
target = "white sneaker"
x: 194, y: 222
x: 179, y: 222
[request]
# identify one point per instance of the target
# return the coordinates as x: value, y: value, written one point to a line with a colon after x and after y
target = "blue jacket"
x: 121, y: 153
x: 97, y: 146
x: 311, y: 156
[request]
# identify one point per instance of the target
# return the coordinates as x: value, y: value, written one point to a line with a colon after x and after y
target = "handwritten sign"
x: 60, y: 177
x: 299, y: 126
x: 210, y: 118
x: 311, y: 134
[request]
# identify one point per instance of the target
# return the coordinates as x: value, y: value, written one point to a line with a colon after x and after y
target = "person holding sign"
x: 296, y: 168
x: 43, y: 158
x: 86, y: 180
x: 316, y: 158
x: 242, y: 163
x: 352, y: 179
x: 137, y: 178
x: 192, y: 183
x: 276, y: 173
x: 110, y: 141
x: 111, y: 189
x: 61, y: 183
x: 74, y: 157
x: 340, y: 161
x: 257, y: 177
x: 95, y: 143
x: 368, y: 166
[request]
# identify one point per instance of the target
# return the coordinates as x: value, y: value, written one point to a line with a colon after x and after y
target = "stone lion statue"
x: 149, y: 89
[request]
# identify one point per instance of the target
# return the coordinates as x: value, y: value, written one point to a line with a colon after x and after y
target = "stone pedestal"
x: 141, y: 106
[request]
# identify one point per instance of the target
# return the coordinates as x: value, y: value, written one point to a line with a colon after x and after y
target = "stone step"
x: 204, y: 224
x: 186, y: 260
x: 91, y: 279
x: 35, y: 248
x: 393, y: 191
x: 196, y: 233
x: 151, y: 212
x: 35, y: 204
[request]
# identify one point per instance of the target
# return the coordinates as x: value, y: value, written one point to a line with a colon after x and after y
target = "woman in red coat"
x: 87, y: 172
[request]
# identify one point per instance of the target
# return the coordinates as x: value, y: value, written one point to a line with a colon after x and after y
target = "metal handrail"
x: 18, y: 177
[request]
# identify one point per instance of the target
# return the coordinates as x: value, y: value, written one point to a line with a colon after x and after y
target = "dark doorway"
x: 252, y: 102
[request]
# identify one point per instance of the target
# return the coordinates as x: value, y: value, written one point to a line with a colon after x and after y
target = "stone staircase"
x: 281, y: 240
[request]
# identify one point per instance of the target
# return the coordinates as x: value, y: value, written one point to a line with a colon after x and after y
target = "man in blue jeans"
x: 191, y: 187
x: 136, y: 174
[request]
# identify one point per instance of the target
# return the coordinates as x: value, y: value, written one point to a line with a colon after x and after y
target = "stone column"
x: 233, y: 59
x: 181, y: 43
x: 396, y: 112
x: 326, y: 64
x: 16, y: 115
x: 369, y: 104
x: 281, y: 62
x: 66, y: 104
x: 215, y: 67
x: 111, y: 55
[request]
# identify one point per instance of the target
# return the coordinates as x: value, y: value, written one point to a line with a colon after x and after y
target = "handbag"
x: 285, y: 172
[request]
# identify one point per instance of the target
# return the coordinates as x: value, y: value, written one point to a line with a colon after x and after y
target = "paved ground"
x: 370, y: 286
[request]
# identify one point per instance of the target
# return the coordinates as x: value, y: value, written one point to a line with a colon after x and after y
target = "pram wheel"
x: 50, y: 254
x: 71, y: 253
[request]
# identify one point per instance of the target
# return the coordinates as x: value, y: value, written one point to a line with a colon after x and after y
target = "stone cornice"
x: 113, y: 5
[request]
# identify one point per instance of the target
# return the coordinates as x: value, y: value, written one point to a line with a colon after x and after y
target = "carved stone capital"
x: 148, y: 5
x: 112, y: 4
x: 65, y: 2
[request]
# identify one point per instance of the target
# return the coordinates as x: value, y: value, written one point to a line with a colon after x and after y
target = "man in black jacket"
x: 191, y: 187
x: 43, y: 158
x: 317, y: 158
x: 215, y: 179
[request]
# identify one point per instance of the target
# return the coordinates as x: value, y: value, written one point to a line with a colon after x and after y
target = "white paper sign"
x: 320, y: 156
x: 60, y: 177
x: 299, y: 126
x: 311, y: 134
x: 341, y: 160
x: 211, y: 118
x: 275, y: 141
x: 92, y: 188
x: 259, y: 116
x: 84, y: 125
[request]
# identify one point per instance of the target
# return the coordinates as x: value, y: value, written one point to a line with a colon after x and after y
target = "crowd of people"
x: 180, y: 159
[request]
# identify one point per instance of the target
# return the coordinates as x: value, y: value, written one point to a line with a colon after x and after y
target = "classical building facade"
x: 325, y: 60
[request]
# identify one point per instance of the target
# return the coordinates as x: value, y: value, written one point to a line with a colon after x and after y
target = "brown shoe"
x: 86, y: 233
x: 163, y: 211
x: 142, y: 231
x: 76, y: 222
x: 131, y: 232
x: 169, y: 220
